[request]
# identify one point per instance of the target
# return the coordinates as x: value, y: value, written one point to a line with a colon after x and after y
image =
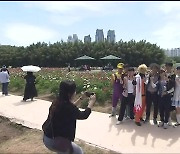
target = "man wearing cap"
x: 151, y: 93
x: 117, y: 82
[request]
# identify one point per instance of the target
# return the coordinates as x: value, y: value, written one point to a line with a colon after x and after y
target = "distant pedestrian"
x: 151, y: 92
x: 4, y: 79
x: 117, y: 83
x: 128, y: 96
x: 30, y: 90
x: 69, y: 68
x: 140, y: 97
x: 176, y: 97
x: 164, y: 92
x: 171, y: 85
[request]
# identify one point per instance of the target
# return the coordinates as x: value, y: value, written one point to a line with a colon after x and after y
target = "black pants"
x: 151, y: 98
x: 5, y: 88
x: 127, y: 101
x: 164, y: 108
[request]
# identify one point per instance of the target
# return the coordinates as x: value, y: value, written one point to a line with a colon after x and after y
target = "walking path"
x: 98, y: 129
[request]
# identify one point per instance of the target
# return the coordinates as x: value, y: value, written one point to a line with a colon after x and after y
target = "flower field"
x: 48, y: 79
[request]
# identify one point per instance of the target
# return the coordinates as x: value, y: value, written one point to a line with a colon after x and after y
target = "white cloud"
x: 169, y: 7
x: 24, y: 34
x: 69, y: 12
x: 66, y: 6
x: 167, y: 35
x: 65, y: 20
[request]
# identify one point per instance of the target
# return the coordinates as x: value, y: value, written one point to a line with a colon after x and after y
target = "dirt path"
x: 16, y: 138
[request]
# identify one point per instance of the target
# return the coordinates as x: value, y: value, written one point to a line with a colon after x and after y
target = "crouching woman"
x: 60, y: 126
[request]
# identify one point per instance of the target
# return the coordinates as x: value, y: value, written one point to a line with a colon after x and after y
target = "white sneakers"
x: 118, y: 122
x: 166, y: 125
x: 160, y: 124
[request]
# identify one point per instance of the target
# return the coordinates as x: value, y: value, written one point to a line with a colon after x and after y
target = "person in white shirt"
x: 4, y: 79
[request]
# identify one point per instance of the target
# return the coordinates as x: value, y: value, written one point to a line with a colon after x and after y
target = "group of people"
x: 139, y: 89
x: 30, y: 90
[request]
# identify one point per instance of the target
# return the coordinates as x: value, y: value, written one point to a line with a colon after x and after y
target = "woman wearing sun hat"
x: 117, y: 82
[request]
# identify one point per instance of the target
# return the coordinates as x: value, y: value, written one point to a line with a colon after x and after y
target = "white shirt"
x: 4, y: 77
x: 130, y: 87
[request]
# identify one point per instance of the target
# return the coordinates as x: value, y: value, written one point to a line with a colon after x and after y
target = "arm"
x: 125, y: 80
x: 78, y: 101
x: 112, y: 79
x: 81, y: 115
x: 85, y: 114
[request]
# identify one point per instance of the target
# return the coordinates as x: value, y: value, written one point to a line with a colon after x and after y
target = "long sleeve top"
x: 4, y: 77
x: 63, y: 122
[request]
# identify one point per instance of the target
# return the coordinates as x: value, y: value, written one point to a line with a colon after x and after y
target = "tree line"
x: 61, y: 53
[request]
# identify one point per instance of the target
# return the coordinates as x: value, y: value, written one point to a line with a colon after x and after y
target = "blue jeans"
x: 52, y: 144
x: 5, y: 88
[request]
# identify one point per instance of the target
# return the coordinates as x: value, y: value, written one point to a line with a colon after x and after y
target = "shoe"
x: 161, y: 124
x: 170, y: 123
x: 176, y: 125
x: 118, y: 122
x: 141, y: 119
x: 165, y: 125
x: 112, y: 115
x: 138, y: 123
x: 155, y: 121
x: 146, y: 121
x: 126, y: 118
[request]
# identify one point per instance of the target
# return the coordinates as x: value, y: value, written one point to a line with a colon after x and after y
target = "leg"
x: 122, y: 109
x: 115, y: 99
x: 6, y: 88
x: 167, y: 108
x: 131, y: 105
x: 3, y: 88
x: 148, y: 105
x: 177, y: 117
x: 161, y: 109
x: 76, y: 149
x: 127, y: 111
x: 143, y: 106
x: 155, y: 104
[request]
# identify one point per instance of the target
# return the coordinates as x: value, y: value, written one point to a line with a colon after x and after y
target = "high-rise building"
x: 75, y: 38
x: 111, y: 36
x: 99, y: 35
x: 70, y: 39
x: 87, y: 38
x: 173, y: 52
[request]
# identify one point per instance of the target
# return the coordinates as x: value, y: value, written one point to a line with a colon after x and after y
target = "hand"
x: 83, y: 96
x: 92, y: 101
x: 151, y: 78
x: 164, y: 93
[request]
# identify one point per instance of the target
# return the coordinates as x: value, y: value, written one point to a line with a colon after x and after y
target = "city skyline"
x: 24, y: 23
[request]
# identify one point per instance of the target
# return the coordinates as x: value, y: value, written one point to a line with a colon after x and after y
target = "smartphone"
x: 88, y: 94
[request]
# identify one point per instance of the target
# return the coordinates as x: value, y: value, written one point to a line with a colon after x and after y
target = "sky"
x: 24, y: 23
